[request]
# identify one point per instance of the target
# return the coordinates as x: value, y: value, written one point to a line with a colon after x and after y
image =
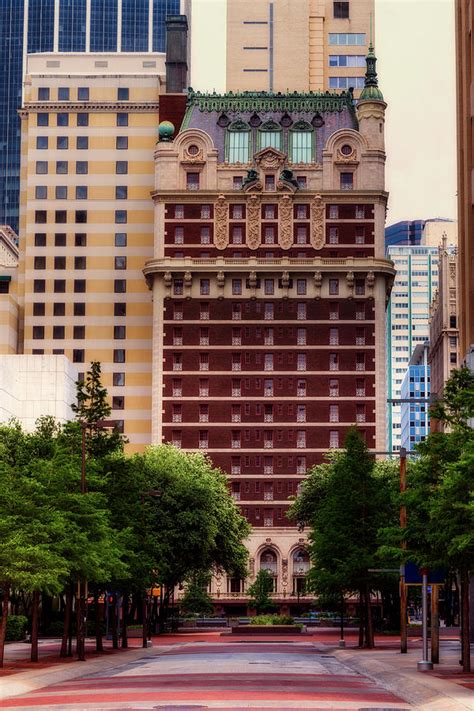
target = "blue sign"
x: 413, y: 575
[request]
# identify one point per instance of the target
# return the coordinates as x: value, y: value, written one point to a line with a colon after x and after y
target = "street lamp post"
x: 425, y: 664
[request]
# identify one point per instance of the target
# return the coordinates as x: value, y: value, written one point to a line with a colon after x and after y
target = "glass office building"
x: 415, y: 420
x: 63, y: 26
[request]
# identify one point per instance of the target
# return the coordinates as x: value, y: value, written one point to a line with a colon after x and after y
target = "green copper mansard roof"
x: 371, y: 89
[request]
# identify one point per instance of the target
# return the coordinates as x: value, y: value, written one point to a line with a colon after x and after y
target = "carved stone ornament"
x: 221, y: 222
x: 253, y: 222
x: 252, y: 566
x: 285, y: 280
x: 253, y: 280
x: 284, y: 565
x: 270, y: 159
x: 346, y: 157
x: 168, y: 279
x: 318, y: 280
x: 350, y: 283
x: 317, y: 222
x: 220, y: 280
x: 370, y: 280
x: 190, y: 155
x: 285, y: 213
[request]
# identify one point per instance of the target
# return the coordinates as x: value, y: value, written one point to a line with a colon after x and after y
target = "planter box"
x: 266, y: 629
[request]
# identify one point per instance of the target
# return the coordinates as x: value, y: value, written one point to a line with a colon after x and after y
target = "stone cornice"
x: 159, y: 267
x: 237, y: 196
x: 89, y: 106
x: 263, y: 101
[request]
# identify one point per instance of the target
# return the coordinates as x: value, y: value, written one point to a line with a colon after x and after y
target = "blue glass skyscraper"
x: 78, y: 27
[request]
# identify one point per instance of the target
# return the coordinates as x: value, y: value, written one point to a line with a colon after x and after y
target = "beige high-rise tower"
x: 303, y: 45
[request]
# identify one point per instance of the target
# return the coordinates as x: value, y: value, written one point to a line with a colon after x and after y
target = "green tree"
x: 344, y: 503
x: 193, y: 525
x: 260, y: 591
x: 196, y: 598
x: 91, y: 409
x: 31, y: 529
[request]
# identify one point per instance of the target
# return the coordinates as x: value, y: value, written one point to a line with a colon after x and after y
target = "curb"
x: 424, y: 691
x: 33, y: 679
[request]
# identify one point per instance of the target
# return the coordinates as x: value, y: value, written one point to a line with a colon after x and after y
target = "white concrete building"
x: 34, y: 385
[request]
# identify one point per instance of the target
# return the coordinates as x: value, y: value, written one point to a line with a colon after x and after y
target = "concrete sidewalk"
x: 426, y: 691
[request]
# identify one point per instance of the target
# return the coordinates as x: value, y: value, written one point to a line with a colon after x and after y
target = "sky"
x: 414, y: 43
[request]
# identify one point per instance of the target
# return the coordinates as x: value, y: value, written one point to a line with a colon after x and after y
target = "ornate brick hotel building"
x: 269, y: 291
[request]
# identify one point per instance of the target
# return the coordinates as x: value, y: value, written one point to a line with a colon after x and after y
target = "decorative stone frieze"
x: 285, y: 212
x: 221, y: 222
x: 254, y: 237
x: 317, y: 222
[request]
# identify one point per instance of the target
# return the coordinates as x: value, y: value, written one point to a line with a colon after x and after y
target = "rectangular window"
x: 121, y: 192
x: 236, y: 235
x: 333, y: 212
x: 82, y: 167
x: 120, y: 309
x: 205, y: 287
x: 58, y: 332
x: 81, y: 192
x: 82, y: 143
x: 79, y: 262
x: 347, y: 38
x: 341, y: 10
x: 40, y: 263
x: 205, y: 235
x: 301, y: 287
x: 301, y: 146
x: 119, y: 355
x: 42, y: 119
x: 239, y: 146
x: 121, y: 217
x: 120, y: 262
x: 333, y: 235
x: 333, y: 388
x: 121, y: 167
x: 62, y: 119
x: 83, y: 93
x: 347, y: 181
x: 38, y: 309
x: 79, y: 308
x: 41, y: 167
x: 269, y: 287
x: 120, y: 239
x: 43, y: 93
x: 62, y: 143
x: 40, y: 239
x: 119, y: 332
x: 79, y: 286
x: 59, y: 286
x: 60, y: 239
x: 236, y: 287
x: 41, y: 192
x: 60, y: 262
x: 82, y: 119
x: 192, y: 181
x: 41, y: 142
x: 120, y: 286
x: 334, y: 286
x: 118, y: 379
x: 123, y: 93
x: 79, y: 332
x: 78, y: 355
x: 122, y: 119
x: 121, y: 143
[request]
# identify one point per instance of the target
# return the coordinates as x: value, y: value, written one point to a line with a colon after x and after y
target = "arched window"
x: 268, y: 561
x: 301, y: 143
x: 238, y: 142
x: 270, y: 134
x: 300, y: 562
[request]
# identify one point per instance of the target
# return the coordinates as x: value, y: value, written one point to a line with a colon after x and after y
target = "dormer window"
x: 301, y: 142
x: 270, y: 136
x: 238, y: 142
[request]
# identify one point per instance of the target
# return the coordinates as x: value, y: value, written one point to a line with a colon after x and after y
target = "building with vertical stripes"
x: 59, y: 26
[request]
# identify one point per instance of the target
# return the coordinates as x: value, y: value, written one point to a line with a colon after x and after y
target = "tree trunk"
x: 369, y: 627
x: 65, y: 651
x: 361, y: 618
x: 34, y: 626
x: 80, y: 631
x: 99, y: 646
x: 113, y: 622
x: 124, y: 620
x: 3, y: 626
x: 465, y: 637
x: 144, y: 621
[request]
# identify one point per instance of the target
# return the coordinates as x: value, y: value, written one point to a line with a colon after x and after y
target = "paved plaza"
x: 188, y: 672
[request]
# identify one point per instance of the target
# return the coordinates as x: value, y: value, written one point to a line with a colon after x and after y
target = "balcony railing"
x: 177, y: 366
x: 236, y: 392
x: 268, y: 469
x: 301, y: 341
x: 334, y: 340
x: 177, y: 341
x: 301, y: 417
x: 203, y: 417
x: 236, y: 417
x: 236, y: 366
x: 204, y: 341
x: 268, y: 444
x: 236, y: 495
x: 360, y: 366
x: 268, y: 418
x: 268, y: 522
x: 268, y: 392
x: 268, y: 340
x: 360, y: 315
x: 334, y: 417
x: 236, y: 316
x: 236, y: 341
x: 268, y: 366
x: 301, y: 469
x: 334, y: 392
x: 176, y: 442
x: 333, y: 316
x: 235, y: 469
x: 204, y: 316
x: 236, y: 444
x: 360, y: 341
x: 360, y: 392
x: 333, y: 366
x: 300, y: 443
x: 268, y: 496
x: 177, y: 392
x: 301, y: 365
x: 203, y: 444
x: 301, y: 392
x: 178, y: 315
x: 176, y: 418
x: 203, y: 392
x: 360, y: 417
